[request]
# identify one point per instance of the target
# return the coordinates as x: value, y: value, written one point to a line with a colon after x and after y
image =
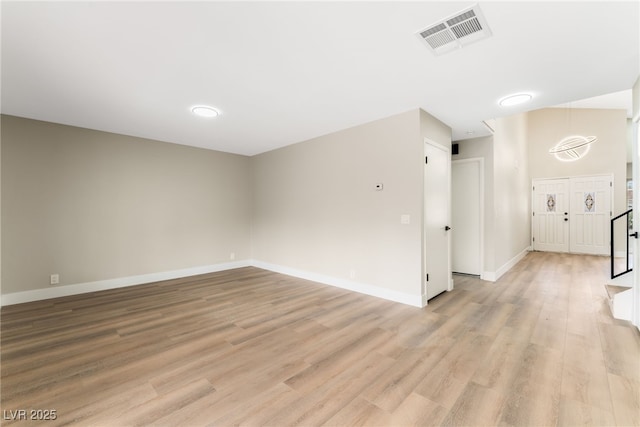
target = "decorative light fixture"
x: 515, y: 99
x: 204, y: 111
x: 572, y: 148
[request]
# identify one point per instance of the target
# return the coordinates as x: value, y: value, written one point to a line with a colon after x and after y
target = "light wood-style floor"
x: 251, y: 347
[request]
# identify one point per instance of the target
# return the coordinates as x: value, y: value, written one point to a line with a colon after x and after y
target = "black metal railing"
x: 627, y: 228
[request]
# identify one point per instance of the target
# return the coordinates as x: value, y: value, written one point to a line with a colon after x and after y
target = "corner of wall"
x: 1, y: 117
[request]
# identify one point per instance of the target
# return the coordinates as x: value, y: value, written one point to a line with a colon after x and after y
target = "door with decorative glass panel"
x: 550, y: 221
x: 572, y: 214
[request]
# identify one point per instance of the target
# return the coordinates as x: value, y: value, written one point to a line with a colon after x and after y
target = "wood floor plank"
x: 477, y: 406
x: 584, y: 375
x: 524, y: 411
x: 625, y: 396
x: 416, y: 410
x: 253, y: 347
x: 361, y: 413
x: 572, y: 413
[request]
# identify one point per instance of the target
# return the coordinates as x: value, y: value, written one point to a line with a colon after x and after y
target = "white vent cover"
x: 459, y: 30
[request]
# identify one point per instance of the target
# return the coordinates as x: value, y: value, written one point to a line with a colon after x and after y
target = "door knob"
x: 566, y: 219
x: 447, y: 228
x: 566, y: 213
x: 634, y: 235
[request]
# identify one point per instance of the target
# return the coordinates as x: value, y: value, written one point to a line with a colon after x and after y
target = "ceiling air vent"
x: 459, y: 30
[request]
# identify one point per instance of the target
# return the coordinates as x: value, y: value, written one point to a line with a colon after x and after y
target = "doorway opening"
x: 467, y: 216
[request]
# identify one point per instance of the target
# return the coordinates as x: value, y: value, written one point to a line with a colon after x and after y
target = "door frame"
x: 447, y: 150
x: 635, y: 164
x: 480, y: 162
x: 568, y: 178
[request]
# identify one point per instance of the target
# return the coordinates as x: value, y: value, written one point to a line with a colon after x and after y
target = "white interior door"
x: 590, y: 214
x: 437, y: 189
x: 550, y: 220
x: 466, y: 216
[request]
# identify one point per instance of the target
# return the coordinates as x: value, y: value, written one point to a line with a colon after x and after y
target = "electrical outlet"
x: 352, y: 274
x: 232, y: 255
x: 55, y: 279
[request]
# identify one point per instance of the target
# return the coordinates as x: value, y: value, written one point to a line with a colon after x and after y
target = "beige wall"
x: 607, y: 155
x: 316, y: 209
x: 1, y: 290
x: 92, y: 206
x: 636, y: 100
x: 512, y: 194
x: 434, y: 129
x: 507, y: 223
x: 95, y: 206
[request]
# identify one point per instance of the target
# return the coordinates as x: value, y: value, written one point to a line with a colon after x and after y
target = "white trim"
x: 489, y: 276
x: 102, y: 285
x: 424, y: 300
x: 493, y: 276
x: 619, y: 254
x: 363, y: 288
x: 635, y: 293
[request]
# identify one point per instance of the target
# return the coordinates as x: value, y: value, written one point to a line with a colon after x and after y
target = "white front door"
x: 437, y: 188
x: 590, y: 213
x: 550, y: 220
x: 466, y: 214
x: 572, y: 214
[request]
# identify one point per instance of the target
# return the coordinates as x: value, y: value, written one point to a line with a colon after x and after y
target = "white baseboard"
x: 363, y: 288
x: 619, y: 254
x: 102, y: 285
x: 493, y: 276
x: 489, y: 276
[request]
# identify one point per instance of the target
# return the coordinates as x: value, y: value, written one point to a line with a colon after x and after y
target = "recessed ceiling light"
x: 516, y: 99
x: 470, y: 132
x: 204, y: 111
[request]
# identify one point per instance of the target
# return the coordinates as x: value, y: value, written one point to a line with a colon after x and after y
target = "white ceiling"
x: 284, y: 72
x: 622, y: 100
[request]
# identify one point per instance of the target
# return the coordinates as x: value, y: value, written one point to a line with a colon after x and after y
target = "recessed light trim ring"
x: 515, y: 99
x: 204, y: 111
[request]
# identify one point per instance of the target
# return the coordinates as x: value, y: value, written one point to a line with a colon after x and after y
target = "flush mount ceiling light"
x: 204, y: 111
x: 516, y: 99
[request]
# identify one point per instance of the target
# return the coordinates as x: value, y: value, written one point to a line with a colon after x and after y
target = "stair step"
x: 613, y: 289
x: 624, y: 280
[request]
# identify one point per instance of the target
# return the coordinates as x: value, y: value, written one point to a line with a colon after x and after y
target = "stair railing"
x: 628, y: 226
